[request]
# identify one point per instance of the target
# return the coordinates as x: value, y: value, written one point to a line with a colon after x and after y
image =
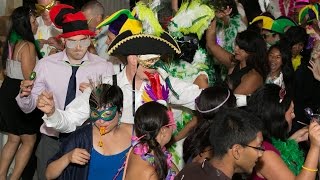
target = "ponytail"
x: 160, y: 161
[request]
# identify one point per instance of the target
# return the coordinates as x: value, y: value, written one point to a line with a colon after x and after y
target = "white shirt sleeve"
x: 241, y: 100
x: 76, y: 113
x: 187, y: 92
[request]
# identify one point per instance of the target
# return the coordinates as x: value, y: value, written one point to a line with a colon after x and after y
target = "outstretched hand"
x: 45, y: 103
x: 315, y: 68
x: 223, y: 13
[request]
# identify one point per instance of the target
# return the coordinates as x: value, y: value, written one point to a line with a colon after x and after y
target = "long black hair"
x: 209, y: 98
x: 286, y: 67
x: 149, y: 119
x: 20, y: 24
x: 253, y: 43
x: 270, y: 106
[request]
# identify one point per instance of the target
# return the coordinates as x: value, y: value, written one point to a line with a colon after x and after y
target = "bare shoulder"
x: 24, y: 46
x: 148, y: 172
x: 128, y: 128
x: 271, y: 166
x: 253, y: 75
x: 139, y: 168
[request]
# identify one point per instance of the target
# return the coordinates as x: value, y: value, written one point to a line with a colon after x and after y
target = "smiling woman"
x: 280, y: 67
x: 246, y: 67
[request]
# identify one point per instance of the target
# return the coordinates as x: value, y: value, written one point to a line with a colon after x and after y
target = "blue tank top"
x: 106, y: 167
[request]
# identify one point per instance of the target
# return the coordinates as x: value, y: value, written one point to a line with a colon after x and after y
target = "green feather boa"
x: 15, y: 37
x: 290, y: 154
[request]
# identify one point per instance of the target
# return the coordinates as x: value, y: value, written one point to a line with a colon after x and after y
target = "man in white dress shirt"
x: 131, y: 80
x: 61, y: 75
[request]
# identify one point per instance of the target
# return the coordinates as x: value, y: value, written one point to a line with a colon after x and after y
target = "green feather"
x: 290, y: 154
x: 193, y: 17
x: 149, y: 20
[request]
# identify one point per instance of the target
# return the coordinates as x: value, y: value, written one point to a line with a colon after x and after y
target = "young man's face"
x: 269, y: 37
x: 92, y: 19
x: 250, y: 154
x: 77, y: 46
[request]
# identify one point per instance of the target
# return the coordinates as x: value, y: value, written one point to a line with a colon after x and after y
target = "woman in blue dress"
x: 98, y: 149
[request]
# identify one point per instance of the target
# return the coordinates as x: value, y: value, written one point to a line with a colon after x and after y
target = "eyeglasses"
x: 261, y: 148
x: 73, y: 43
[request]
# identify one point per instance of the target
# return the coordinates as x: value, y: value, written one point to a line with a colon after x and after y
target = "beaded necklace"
x: 283, y: 10
x: 142, y: 149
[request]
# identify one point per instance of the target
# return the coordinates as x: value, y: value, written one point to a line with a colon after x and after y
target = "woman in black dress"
x: 19, y: 58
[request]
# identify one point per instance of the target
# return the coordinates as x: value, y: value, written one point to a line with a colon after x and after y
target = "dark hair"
x: 222, y: 5
x: 209, y: 98
x: 295, y: 35
x: 232, y: 126
x: 188, y: 45
x: 253, y: 43
x: 105, y: 94
x: 286, y: 67
x: 251, y: 8
x: 149, y: 119
x: 20, y: 23
x: 265, y: 104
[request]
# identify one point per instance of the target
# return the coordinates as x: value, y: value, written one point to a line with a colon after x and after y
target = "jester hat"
x: 121, y: 21
x: 277, y: 25
x: 71, y: 21
x: 312, y: 10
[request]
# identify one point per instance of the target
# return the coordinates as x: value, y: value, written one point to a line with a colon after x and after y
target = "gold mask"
x: 147, y: 61
x: 41, y: 8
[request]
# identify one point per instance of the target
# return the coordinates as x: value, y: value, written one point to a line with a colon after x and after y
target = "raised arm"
x: 223, y: 56
x: 271, y: 166
x: 76, y: 113
x: 187, y: 93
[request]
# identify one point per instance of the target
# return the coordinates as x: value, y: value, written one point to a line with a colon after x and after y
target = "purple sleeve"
x: 28, y: 104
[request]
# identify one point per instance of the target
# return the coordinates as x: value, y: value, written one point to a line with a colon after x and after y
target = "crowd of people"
x: 215, y: 91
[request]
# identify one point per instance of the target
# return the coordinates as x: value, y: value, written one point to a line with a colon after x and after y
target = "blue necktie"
x: 71, y: 93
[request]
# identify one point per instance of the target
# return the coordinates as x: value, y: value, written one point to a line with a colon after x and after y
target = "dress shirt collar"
x: 123, y: 77
x: 66, y: 59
